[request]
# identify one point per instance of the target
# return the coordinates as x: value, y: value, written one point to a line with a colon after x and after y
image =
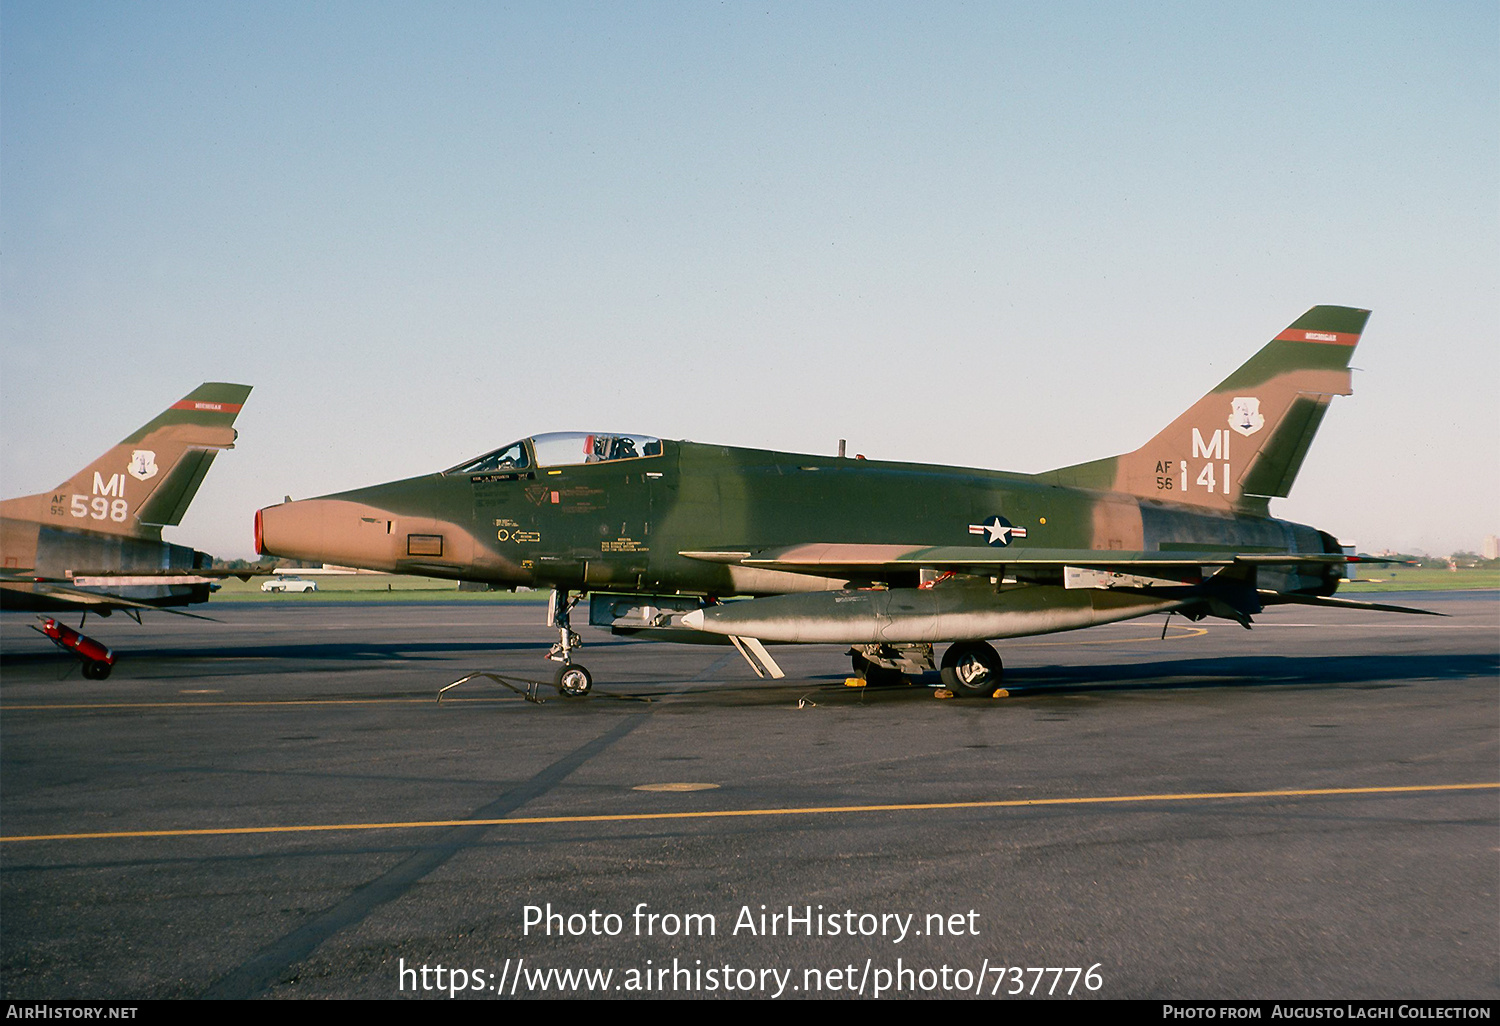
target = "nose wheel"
x: 572, y: 680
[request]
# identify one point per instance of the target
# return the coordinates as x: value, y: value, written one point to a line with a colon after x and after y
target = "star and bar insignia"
x: 998, y: 530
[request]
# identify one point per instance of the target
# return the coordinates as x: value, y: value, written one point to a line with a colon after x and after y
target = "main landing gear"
x: 875, y: 675
x: 571, y: 679
x: 972, y: 669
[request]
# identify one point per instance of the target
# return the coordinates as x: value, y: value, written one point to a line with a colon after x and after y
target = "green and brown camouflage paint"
x: 717, y: 520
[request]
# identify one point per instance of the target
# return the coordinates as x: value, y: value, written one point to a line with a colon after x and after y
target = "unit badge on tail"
x: 1246, y: 417
x: 142, y: 464
x: 998, y: 531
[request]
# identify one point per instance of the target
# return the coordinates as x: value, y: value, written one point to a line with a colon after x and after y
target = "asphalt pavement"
x: 277, y: 805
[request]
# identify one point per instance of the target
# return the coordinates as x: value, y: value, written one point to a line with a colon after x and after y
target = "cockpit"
x: 561, y: 449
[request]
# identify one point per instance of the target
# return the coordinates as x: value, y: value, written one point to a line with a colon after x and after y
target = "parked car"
x: 300, y: 584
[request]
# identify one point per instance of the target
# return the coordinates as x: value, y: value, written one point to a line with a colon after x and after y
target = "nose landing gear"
x: 571, y: 679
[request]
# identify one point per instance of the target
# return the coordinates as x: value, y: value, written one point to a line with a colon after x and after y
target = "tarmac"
x: 276, y: 805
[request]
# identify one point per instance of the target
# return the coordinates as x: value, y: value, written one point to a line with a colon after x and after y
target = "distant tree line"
x: 273, y: 562
x: 1463, y: 560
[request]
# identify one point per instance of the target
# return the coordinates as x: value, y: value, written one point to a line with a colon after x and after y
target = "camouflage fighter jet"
x: 889, y: 558
x: 93, y: 543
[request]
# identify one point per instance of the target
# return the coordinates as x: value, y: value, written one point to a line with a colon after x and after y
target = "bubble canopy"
x: 562, y: 449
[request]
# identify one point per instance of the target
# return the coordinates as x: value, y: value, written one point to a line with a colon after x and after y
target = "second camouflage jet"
x: 889, y: 558
x: 93, y: 544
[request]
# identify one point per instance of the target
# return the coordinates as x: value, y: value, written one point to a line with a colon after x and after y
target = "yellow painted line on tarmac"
x: 636, y: 817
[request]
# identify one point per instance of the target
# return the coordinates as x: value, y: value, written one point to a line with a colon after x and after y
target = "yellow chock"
x: 854, y: 682
x: 1000, y: 693
x: 942, y: 693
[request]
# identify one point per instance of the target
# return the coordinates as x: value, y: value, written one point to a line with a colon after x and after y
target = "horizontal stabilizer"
x: 1328, y: 601
x: 166, y: 575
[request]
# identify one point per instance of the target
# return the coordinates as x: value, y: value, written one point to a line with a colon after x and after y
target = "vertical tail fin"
x: 148, y: 479
x: 1243, y: 442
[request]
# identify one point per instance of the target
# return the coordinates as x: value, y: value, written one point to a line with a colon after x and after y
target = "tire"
x: 972, y: 669
x: 572, y: 680
x: 96, y: 669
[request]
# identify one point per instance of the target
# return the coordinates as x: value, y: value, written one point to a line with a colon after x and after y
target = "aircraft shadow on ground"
x: 312, y: 652
x: 1264, y: 671
x: 518, y: 659
x: 1312, y: 671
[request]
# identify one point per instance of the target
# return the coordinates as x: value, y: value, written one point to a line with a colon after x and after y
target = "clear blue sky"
x: 1002, y: 235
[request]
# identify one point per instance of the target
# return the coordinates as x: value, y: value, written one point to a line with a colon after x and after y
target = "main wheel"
x: 972, y: 668
x: 572, y: 680
x: 96, y: 669
x: 875, y: 675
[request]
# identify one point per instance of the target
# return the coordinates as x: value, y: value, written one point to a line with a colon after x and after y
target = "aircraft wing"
x: 831, y: 558
x: 1116, y: 570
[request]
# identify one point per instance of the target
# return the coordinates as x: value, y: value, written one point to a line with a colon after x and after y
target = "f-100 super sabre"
x: 889, y: 558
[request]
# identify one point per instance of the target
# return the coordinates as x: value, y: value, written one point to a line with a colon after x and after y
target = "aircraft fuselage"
x: 625, y: 525
x: 52, y: 553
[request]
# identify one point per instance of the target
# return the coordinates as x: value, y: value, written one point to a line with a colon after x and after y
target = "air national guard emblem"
x: 998, y: 530
x: 142, y: 464
x: 1246, y: 417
